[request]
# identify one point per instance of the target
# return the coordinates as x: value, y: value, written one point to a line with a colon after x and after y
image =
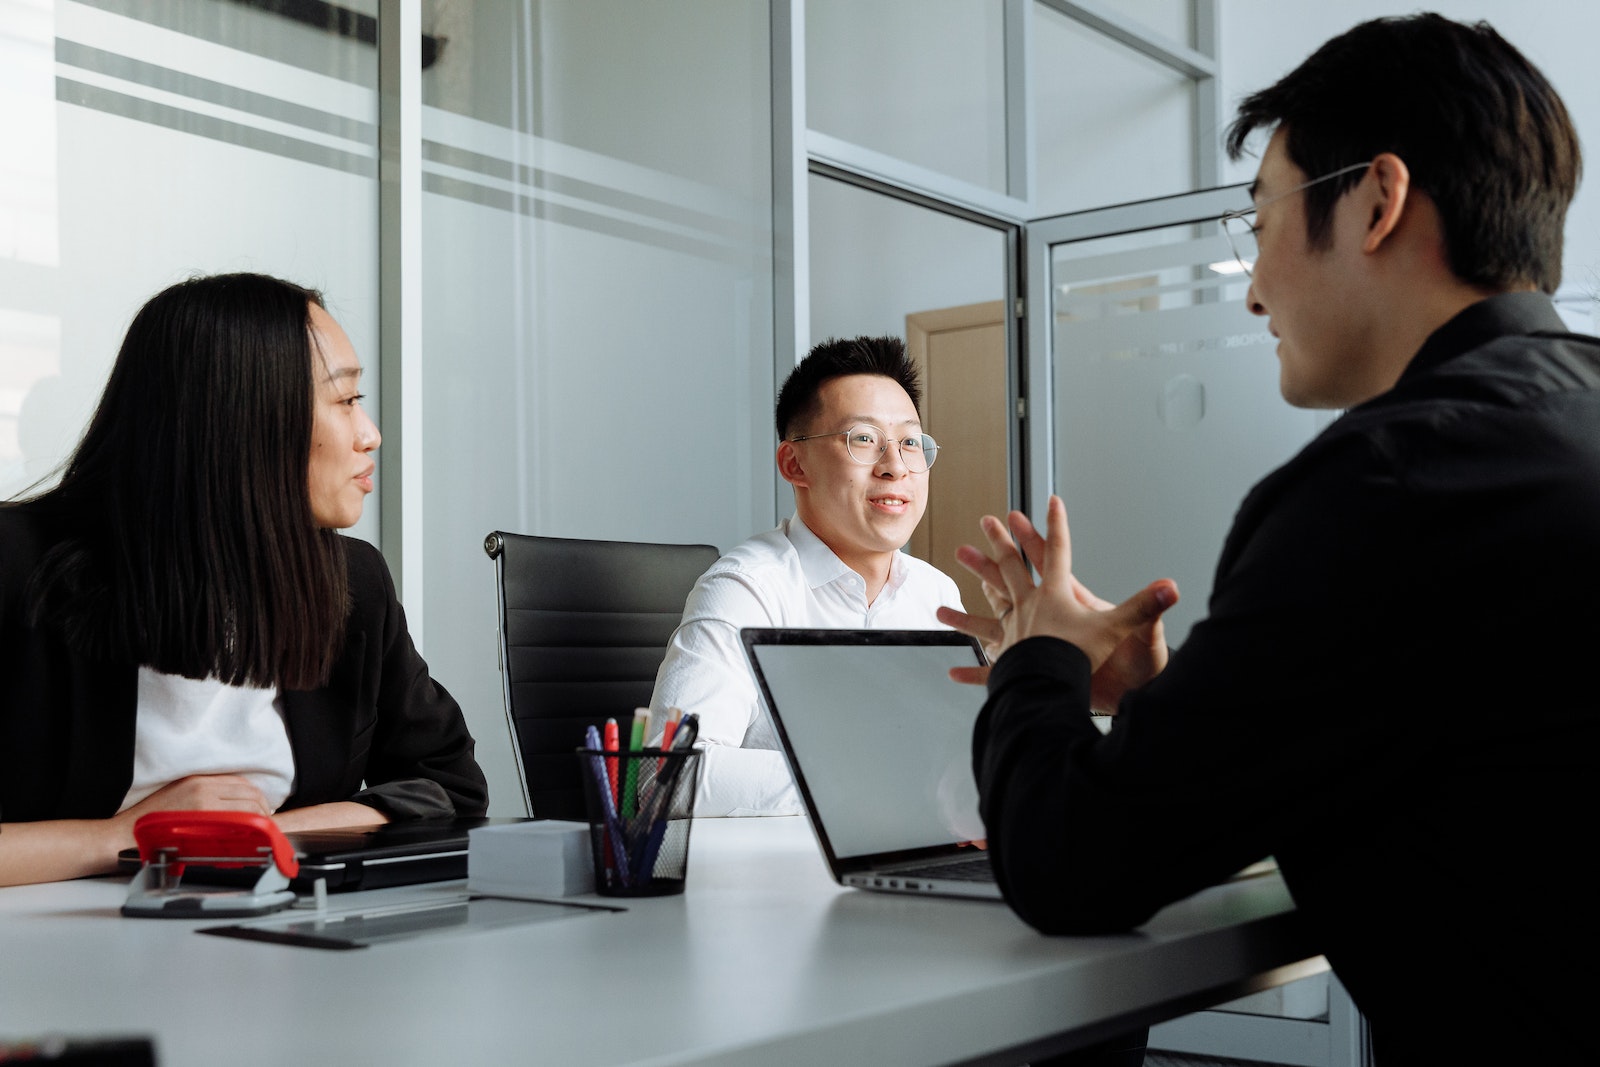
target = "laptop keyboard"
x: 976, y: 869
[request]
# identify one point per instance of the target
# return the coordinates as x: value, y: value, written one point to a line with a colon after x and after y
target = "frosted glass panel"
x: 145, y: 143
x: 1167, y: 408
x: 921, y: 80
x: 597, y: 285
x: 1112, y: 126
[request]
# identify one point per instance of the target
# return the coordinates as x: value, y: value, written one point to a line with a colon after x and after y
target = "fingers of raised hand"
x: 987, y: 631
x: 1015, y: 578
x: 996, y: 597
x: 999, y: 602
x: 1146, y: 607
x: 1057, y: 566
x: 1137, y: 619
x: 970, y: 675
x: 984, y: 568
x: 1028, y: 539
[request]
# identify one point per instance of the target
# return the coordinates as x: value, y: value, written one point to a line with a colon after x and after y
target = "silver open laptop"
x: 879, y: 740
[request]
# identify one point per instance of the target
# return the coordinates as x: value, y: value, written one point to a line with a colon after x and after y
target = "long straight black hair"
x: 191, y: 546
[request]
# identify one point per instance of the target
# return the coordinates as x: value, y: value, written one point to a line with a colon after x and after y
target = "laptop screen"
x: 878, y: 735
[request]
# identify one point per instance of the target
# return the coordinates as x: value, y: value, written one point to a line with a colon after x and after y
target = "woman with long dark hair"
x: 180, y: 625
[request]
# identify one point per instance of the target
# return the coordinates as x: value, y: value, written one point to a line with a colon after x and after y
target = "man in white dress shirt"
x: 851, y: 444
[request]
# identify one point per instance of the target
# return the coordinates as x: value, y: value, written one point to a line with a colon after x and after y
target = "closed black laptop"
x: 880, y: 744
x: 399, y: 853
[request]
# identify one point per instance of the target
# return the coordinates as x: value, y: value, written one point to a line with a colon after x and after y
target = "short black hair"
x: 836, y: 358
x: 1481, y: 130
x: 190, y: 546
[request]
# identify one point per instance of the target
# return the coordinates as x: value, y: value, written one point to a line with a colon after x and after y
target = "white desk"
x: 762, y: 960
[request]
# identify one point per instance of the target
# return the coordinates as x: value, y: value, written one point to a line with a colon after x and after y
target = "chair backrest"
x: 583, y: 628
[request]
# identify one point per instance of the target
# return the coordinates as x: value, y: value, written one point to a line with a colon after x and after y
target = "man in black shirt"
x: 1392, y: 693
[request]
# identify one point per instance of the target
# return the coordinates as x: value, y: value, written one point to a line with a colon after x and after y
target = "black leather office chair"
x: 583, y: 628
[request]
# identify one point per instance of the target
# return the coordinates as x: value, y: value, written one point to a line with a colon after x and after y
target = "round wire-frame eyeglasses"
x: 1240, y: 226
x: 867, y: 444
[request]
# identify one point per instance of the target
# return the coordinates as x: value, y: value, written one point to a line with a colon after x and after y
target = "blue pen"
x: 646, y: 864
x: 591, y: 739
x: 618, y: 844
x: 661, y: 800
x: 651, y: 823
x: 661, y: 813
x: 688, y: 731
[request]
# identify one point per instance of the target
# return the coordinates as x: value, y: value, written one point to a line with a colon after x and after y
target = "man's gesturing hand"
x: 1124, y: 643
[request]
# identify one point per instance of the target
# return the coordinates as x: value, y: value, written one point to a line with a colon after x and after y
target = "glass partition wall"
x: 597, y: 297
x: 146, y: 143
x: 1165, y: 390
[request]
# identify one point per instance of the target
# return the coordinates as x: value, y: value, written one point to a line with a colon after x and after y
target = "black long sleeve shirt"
x: 1392, y: 694
x: 67, y: 722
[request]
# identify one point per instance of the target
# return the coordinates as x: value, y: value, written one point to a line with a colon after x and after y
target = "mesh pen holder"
x: 641, y: 806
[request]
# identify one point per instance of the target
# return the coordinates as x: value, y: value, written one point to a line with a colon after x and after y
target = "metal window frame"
x: 400, y: 526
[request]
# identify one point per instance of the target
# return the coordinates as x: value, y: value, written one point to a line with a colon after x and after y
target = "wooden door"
x: 961, y: 352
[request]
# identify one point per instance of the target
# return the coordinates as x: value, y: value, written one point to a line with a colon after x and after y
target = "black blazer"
x: 67, y: 723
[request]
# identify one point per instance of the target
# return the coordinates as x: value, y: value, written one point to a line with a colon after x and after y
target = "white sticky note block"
x: 548, y: 858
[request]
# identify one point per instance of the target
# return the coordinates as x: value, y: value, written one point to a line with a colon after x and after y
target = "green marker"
x: 630, y: 781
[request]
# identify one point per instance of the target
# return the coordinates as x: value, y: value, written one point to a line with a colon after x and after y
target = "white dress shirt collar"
x: 822, y: 566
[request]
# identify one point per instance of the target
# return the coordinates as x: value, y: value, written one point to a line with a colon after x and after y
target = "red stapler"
x: 232, y: 840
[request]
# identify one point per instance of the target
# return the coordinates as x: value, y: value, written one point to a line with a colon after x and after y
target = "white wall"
x: 1264, y: 39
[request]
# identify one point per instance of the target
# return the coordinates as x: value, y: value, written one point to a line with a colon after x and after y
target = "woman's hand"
x: 198, y: 792
x: 332, y: 816
x: 201, y: 792
x: 72, y: 848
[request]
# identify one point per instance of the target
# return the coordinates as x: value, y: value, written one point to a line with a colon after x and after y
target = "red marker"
x: 670, y: 728
x: 609, y: 739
